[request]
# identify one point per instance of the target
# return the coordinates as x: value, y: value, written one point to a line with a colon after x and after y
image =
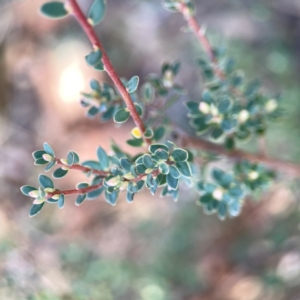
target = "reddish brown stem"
x: 82, y: 168
x: 290, y: 168
x: 94, y: 187
x: 199, y: 32
x: 76, y: 191
x: 89, y: 30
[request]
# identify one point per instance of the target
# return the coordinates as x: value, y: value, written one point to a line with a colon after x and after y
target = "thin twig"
x: 82, y: 168
x: 290, y: 168
x: 200, y: 33
x: 75, y: 191
x: 89, y: 30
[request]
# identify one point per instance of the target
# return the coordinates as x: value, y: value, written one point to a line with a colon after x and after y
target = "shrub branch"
x: 89, y: 30
x: 82, y: 168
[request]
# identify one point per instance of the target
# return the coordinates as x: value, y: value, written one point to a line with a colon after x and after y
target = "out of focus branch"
x: 290, y: 168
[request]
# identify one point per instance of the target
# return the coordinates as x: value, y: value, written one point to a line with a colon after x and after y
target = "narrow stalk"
x: 95, y: 187
x: 200, y: 33
x: 89, y: 30
x: 76, y: 191
x: 82, y: 168
x: 290, y: 168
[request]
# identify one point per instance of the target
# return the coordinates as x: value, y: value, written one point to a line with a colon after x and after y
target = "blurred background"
x: 153, y: 249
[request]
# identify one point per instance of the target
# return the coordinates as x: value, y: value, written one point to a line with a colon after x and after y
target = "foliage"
x: 229, y: 109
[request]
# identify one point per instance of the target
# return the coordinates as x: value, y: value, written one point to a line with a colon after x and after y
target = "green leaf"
x: 148, y: 162
x: 190, y: 157
x: 35, y: 209
x: 111, y: 198
x: 95, y: 86
x: 99, y: 66
x: 59, y: 173
x: 161, y: 154
x: 50, y: 166
x: 218, y: 174
x: 132, y: 84
x: 148, y: 134
x: 95, y: 194
x: 135, y: 142
x: 41, y: 161
x: 92, y: 112
x: 176, y: 67
x: 174, y: 172
x: 200, y: 125
x: 42, y: 192
x: 129, y: 196
x: 179, y: 154
x: 154, y: 147
x: 132, y: 187
x: 97, y: 12
x: 141, y: 169
x: 216, y: 133
x: 139, y: 109
x: 61, y: 201
x: 234, y: 208
x: 92, y: 164
x: 222, y: 211
x: 54, y: 10
x: 26, y: 189
x: 140, y: 184
x: 193, y: 107
x: 207, y: 198
x: 71, y: 158
x: 45, y: 182
x: 228, y: 124
x: 82, y: 185
x: 170, y: 5
x: 225, y: 105
x: 93, y: 58
x: 159, y: 132
x: 38, y: 154
x: 226, y: 180
x: 51, y: 201
x: 125, y: 164
x: 207, y: 96
x: 108, y: 115
x: 48, y: 149
x: 236, y: 192
x: 80, y: 199
x: 184, y: 168
x: 162, y: 179
x: 103, y: 158
x: 148, y: 92
x: 172, y: 182
x: 122, y: 115
x: 163, y: 168
x: 229, y: 143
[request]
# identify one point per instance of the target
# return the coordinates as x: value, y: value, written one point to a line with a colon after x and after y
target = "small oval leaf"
x: 54, y: 10
x: 122, y: 115
x: 97, y: 12
x: 132, y: 84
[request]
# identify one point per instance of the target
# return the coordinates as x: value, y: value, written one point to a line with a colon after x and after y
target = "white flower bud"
x: 253, y: 175
x: 243, y: 116
x: 114, y: 181
x: 204, y: 107
x: 47, y: 157
x: 34, y: 194
x: 271, y: 105
x: 218, y: 194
